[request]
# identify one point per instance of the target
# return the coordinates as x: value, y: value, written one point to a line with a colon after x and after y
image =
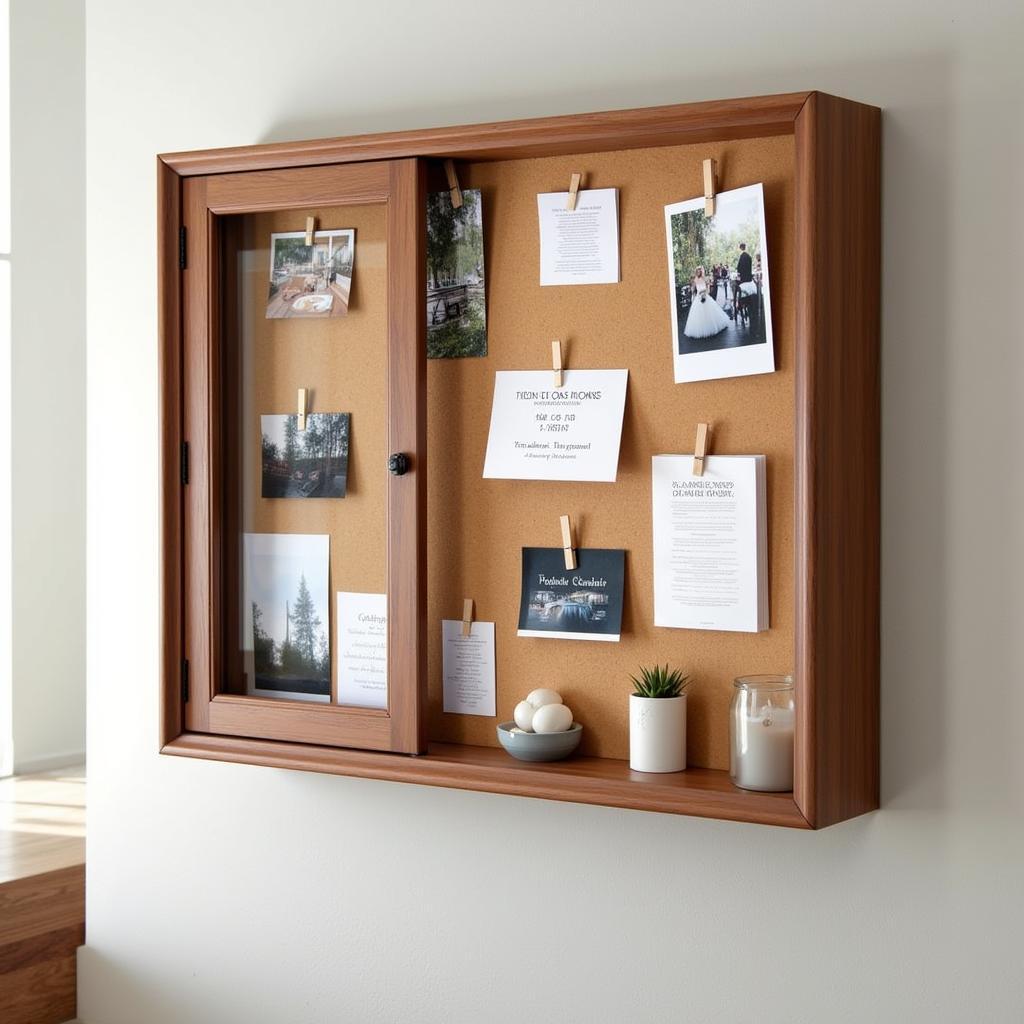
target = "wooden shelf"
x: 585, y: 780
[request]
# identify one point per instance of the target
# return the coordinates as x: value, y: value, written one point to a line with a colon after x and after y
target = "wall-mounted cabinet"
x: 432, y: 531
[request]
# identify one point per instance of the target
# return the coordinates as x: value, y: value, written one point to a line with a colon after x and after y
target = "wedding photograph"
x: 456, y: 297
x: 305, y: 463
x: 286, y: 610
x: 719, y: 286
x: 310, y: 280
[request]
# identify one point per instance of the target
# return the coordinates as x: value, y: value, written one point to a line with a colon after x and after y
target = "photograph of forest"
x: 456, y: 298
x: 310, y: 463
x: 286, y: 593
x: 310, y: 280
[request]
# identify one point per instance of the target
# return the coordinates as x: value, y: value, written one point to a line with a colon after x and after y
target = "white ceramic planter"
x: 657, y: 733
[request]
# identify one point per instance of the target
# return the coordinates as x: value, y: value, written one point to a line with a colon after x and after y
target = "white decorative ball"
x: 552, y: 718
x: 523, y: 715
x: 540, y: 698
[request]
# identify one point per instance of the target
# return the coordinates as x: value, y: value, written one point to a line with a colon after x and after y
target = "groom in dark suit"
x: 744, y: 265
x: 745, y: 273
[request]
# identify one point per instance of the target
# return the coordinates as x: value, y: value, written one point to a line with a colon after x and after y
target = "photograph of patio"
x: 310, y: 280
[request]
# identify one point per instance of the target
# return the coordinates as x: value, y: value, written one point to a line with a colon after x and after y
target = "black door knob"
x: 398, y: 464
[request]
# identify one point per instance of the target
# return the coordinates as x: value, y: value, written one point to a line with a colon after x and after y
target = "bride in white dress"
x: 706, y: 317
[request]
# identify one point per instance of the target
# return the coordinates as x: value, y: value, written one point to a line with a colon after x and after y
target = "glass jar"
x: 762, y: 726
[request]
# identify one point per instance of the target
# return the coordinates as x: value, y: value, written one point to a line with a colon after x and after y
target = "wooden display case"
x: 441, y: 533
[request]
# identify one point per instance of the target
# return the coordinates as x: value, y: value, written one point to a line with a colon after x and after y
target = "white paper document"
x: 710, y: 543
x: 362, y: 650
x: 468, y: 668
x: 540, y: 432
x: 579, y: 246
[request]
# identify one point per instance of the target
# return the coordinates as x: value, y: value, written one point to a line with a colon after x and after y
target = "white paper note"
x: 362, y: 650
x: 468, y: 668
x: 579, y: 246
x: 540, y: 432
x: 710, y: 543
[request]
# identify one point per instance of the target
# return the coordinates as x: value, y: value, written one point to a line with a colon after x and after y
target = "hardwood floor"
x: 42, y: 895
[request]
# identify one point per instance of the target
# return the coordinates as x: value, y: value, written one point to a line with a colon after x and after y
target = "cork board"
x: 342, y: 362
x: 477, y: 527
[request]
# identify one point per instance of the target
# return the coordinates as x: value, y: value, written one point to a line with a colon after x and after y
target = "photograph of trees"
x: 698, y: 241
x: 456, y: 301
x: 310, y: 463
x: 286, y: 592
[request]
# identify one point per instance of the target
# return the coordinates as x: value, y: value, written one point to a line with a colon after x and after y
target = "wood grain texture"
x: 42, y: 924
x: 407, y: 433
x: 43, y: 993
x: 588, y: 780
x: 837, y: 453
x: 42, y: 822
x: 285, y: 190
x: 198, y: 524
x: 24, y: 853
x: 42, y: 903
x: 169, y: 305
x: 669, y: 125
x: 53, y: 945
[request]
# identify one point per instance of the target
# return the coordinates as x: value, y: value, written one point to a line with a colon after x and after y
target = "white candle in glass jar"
x: 762, y: 754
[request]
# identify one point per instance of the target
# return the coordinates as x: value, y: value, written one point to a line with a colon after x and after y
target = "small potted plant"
x: 657, y: 720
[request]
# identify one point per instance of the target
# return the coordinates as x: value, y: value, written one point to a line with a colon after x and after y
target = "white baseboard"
x: 50, y: 763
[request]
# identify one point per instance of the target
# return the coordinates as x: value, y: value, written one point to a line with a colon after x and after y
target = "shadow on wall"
x: 919, y: 303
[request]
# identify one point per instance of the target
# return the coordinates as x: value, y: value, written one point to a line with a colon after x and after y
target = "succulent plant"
x: 659, y: 682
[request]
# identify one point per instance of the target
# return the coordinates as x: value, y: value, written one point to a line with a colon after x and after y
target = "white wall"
x: 47, y: 381
x: 227, y: 894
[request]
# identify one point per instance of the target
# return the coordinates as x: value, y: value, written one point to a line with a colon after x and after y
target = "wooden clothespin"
x: 302, y: 409
x: 556, y: 362
x: 467, y: 616
x: 700, y: 449
x: 310, y: 229
x: 453, y: 183
x: 574, y: 187
x: 567, y: 544
x: 710, y: 185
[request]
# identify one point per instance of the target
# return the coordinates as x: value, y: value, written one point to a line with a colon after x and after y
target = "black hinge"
x: 182, y: 249
x: 184, y: 462
x: 184, y: 681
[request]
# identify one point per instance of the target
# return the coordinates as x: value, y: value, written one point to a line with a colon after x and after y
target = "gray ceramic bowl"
x: 540, y: 746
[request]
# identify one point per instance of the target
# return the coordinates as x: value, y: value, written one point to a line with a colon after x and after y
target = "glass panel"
x: 304, y: 505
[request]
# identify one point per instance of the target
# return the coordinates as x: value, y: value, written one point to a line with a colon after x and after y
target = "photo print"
x: 584, y: 603
x: 310, y: 280
x: 456, y: 298
x: 310, y: 463
x: 285, y: 589
x: 718, y: 283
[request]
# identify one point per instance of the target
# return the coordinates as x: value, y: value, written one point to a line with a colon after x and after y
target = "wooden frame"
x: 836, y: 451
x: 205, y: 199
